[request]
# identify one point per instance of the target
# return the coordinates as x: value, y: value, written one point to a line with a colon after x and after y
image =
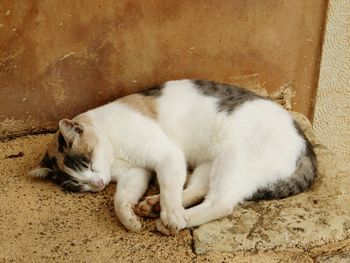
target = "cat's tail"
x: 299, y: 181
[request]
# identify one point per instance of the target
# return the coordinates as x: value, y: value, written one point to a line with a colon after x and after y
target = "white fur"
x: 234, y: 154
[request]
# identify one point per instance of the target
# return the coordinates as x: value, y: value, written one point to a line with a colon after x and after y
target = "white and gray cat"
x: 242, y: 146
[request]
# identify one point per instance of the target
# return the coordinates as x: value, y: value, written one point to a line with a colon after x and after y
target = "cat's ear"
x: 44, y: 168
x: 70, y: 129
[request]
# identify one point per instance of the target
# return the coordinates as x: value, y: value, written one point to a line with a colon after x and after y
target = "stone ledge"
x: 305, y: 221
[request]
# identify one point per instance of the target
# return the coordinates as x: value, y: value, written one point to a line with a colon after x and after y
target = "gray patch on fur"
x: 48, y: 162
x: 229, y: 97
x: 299, y: 181
x: 155, y: 91
x: 61, y: 143
x: 58, y: 176
x: 76, y: 162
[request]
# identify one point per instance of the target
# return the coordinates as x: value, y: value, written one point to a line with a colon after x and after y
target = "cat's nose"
x: 98, y: 184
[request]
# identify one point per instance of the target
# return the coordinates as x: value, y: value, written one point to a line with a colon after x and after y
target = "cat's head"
x: 69, y: 159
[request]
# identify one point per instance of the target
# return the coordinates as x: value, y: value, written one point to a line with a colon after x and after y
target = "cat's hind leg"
x: 132, y: 184
x: 194, y: 192
x: 197, y: 186
x: 225, y: 192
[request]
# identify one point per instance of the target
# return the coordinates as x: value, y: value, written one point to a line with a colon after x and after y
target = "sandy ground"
x: 41, y: 223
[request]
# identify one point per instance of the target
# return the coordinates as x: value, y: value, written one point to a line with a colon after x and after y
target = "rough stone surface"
x: 340, y: 258
x: 313, y: 218
x: 41, y: 223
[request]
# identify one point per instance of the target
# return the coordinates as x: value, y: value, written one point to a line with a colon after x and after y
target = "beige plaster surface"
x: 61, y: 58
x: 332, y: 112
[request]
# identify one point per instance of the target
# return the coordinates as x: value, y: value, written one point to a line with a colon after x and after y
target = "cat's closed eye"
x: 85, y: 164
x: 77, y: 162
x: 71, y: 186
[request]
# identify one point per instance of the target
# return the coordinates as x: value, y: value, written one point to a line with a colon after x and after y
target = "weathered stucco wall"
x: 59, y: 58
x: 332, y: 112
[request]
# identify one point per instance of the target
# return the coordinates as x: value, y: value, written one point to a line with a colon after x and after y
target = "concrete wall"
x: 59, y: 58
x: 332, y: 112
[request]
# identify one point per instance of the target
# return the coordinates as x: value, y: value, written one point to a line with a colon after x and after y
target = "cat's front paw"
x: 161, y: 228
x: 149, y: 207
x: 173, y: 220
x: 127, y: 217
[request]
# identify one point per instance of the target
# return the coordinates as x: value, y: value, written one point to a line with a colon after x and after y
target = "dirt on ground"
x: 41, y: 223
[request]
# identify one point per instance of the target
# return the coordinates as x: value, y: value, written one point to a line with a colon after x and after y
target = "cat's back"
x: 181, y: 99
x: 202, y: 96
x: 197, y: 114
x: 200, y: 102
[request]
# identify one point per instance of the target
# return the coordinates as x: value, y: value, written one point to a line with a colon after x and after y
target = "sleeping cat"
x: 242, y: 146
